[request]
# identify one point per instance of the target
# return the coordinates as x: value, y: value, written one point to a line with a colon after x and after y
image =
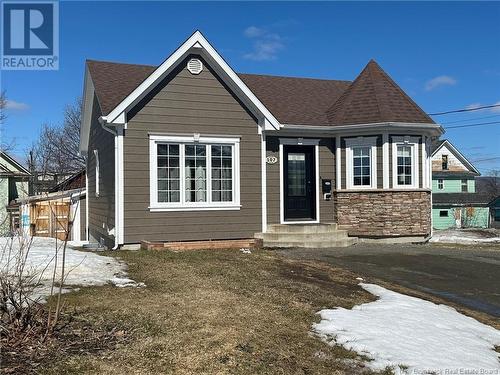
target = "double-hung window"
x: 361, y: 163
x: 405, y: 162
x: 440, y: 184
x: 194, y: 173
x: 465, y: 186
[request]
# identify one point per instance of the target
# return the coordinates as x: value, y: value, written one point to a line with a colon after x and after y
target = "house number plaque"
x: 271, y: 160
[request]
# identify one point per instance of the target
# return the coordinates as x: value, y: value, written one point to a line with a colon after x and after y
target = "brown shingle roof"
x: 302, y: 101
x: 372, y: 97
x: 113, y: 82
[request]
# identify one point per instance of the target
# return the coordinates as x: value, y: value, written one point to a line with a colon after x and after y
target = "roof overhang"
x: 434, y: 130
x: 195, y: 44
x: 458, y: 154
x: 87, y: 110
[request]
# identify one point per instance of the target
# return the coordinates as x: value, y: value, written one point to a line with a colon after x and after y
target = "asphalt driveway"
x: 467, y: 275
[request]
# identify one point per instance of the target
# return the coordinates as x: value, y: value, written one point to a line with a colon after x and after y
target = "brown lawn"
x: 206, y: 312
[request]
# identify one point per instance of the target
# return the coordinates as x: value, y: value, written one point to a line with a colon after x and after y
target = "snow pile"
x: 471, y: 236
x: 81, y: 268
x: 412, y: 335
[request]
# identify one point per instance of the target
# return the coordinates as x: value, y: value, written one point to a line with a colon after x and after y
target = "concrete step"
x: 345, y: 242
x: 304, y: 237
x: 302, y: 228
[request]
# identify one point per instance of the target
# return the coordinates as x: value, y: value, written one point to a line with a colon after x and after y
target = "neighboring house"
x: 495, y: 213
x: 455, y: 201
x: 190, y: 150
x: 13, y: 185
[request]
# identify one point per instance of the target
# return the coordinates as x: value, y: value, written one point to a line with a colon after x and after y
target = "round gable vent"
x: 195, y: 66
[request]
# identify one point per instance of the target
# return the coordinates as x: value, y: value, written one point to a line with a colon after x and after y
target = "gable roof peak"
x: 374, y: 97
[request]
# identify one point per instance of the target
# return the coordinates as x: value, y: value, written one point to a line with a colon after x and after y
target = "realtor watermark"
x: 30, y: 35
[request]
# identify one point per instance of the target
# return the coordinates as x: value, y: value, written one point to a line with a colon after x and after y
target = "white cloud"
x: 478, y: 105
x: 266, y: 45
x: 253, y: 32
x: 16, y: 106
x: 496, y: 109
x: 439, y: 81
x: 473, y: 106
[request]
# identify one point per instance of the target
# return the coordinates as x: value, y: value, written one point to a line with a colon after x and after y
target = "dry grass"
x: 218, y: 311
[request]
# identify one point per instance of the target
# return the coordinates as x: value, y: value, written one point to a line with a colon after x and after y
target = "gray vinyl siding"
x: 186, y: 104
x: 326, y: 171
x: 273, y: 181
x: 102, y: 208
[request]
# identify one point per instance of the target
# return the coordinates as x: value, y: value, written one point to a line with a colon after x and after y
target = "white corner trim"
x: 156, y: 206
x: 423, y: 161
x: 385, y: 160
x: 405, y: 141
x: 203, y: 47
x: 263, y: 169
x: 316, y: 177
x: 338, y: 159
x: 120, y: 225
x: 361, y: 142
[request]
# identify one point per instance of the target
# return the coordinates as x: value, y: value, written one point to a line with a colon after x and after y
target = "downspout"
x: 103, y: 122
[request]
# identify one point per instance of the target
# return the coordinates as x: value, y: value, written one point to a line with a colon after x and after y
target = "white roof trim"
x: 434, y: 128
x: 198, y: 41
x: 457, y: 153
x: 14, y: 162
x: 88, y: 103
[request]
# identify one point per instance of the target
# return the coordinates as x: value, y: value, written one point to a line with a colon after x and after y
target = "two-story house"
x: 455, y: 202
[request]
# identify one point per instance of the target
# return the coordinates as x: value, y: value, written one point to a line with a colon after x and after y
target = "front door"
x: 299, y: 183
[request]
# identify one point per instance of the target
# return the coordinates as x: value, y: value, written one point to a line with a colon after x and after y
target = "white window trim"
x: 156, y: 206
x: 97, y: 172
x: 405, y: 141
x: 350, y: 143
x: 440, y: 180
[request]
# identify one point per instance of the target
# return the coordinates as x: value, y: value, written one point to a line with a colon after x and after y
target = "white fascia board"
x: 458, y: 154
x: 195, y: 41
x: 88, y: 103
x: 432, y: 129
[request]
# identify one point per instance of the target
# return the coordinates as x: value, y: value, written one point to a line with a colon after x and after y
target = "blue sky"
x: 445, y: 55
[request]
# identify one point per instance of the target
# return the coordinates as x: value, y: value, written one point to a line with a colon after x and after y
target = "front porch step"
x: 311, y: 244
x: 305, y: 236
x: 293, y: 236
x: 302, y: 228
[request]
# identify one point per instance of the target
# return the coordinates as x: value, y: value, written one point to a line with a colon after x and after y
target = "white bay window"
x: 405, y: 162
x: 361, y: 162
x: 193, y: 173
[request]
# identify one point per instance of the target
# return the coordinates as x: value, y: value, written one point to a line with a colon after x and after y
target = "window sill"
x: 194, y: 208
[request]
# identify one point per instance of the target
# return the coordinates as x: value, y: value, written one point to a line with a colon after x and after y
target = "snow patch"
x: 81, y: 268
x: 411, y: 335
x: 470, y: 236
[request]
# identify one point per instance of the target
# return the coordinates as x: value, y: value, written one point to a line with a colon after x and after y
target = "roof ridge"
x: 248, y: 74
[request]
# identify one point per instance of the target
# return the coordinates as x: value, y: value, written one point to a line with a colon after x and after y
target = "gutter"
x: 380, y: 125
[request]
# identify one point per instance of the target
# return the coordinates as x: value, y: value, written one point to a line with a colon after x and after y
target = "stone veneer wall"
x: 384, y: 213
